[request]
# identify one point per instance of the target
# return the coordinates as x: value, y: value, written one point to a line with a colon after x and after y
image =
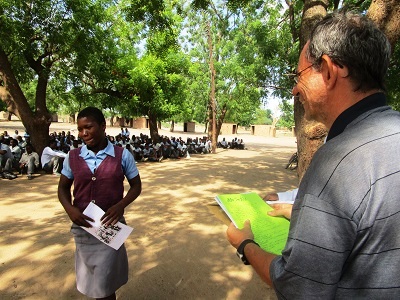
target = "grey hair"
x: 354, y: 41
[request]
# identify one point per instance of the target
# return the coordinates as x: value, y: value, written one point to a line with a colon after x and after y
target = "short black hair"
x: 93, y: 113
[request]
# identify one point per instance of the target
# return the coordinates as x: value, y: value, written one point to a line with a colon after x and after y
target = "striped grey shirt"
x: 344, y: 241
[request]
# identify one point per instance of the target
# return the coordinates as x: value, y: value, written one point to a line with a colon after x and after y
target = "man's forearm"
x: 260, y: 261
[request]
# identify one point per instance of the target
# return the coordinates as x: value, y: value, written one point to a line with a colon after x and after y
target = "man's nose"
x: 295, y: 91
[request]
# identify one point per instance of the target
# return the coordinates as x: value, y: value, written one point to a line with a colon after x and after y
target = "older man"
x: 343, y: 241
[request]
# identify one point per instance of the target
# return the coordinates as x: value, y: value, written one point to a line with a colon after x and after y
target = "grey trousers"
x: 5, y: 164
x: 55, y: 165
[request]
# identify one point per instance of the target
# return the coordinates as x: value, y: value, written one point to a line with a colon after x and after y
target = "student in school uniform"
x: 97, y: 171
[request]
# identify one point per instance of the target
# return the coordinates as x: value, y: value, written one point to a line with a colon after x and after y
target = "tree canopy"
x: 167, y: 60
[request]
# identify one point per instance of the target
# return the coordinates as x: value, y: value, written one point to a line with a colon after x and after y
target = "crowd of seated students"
x: 144, y: 149
x: 235, y: 144
x: 17, y: 153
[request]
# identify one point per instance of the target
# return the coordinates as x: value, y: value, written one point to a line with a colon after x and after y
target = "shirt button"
x: 93, y: 178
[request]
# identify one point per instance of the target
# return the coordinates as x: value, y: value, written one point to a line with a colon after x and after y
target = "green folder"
x: 269, y: 232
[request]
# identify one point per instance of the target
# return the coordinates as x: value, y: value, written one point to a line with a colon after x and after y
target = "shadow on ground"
x: 178, y: 248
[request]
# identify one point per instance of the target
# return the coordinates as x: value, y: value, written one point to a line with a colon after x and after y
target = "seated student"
x: 16, y: 151
x: 182, y: 148
x: 146, y: 151
x: 167, y: 150
x: 138, y: 152
x: 207, y: 145
x: 74, y: 145
x: 200, y: 146
x: 6, y: 159
x: 29, y: 161
x: 223, y: 144
x: 118, y: 140
x: 157, y: 151
x: 15, y: 135
x: 191, y: 146
x: 135, y: 139
x: 52, y: 159
x: 111, y: 139
x: 127, y: 133
x: 153, y: 153
x: 5, y: 135
x: 25, y: 141
x: 21, y: 143
x: 234, y: 143
x: 130, y: 149
x: 240, y: 144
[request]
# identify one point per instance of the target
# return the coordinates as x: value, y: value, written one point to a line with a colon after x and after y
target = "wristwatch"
x: 240, y: 250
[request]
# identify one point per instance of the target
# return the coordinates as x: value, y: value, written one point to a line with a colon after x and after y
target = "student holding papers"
x: 97, y: 171
x: 343, y: 240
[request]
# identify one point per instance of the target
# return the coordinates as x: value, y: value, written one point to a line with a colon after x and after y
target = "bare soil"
x: 178, y: 249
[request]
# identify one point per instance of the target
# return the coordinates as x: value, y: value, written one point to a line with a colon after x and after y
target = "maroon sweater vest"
x: 105, y: 187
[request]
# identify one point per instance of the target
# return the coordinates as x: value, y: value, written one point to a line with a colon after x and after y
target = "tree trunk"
x: 172, y: 128
x: 309, y: 134
x: 36, y: 124
x: 386, y: 15
x: 153, y: 127
x: 213, y: 128
x: 221, y: 119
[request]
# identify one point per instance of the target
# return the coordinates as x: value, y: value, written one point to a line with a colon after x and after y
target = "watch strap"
x: 240, y: 250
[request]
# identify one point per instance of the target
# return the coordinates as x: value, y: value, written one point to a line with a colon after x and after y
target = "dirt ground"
x: 178, y: 248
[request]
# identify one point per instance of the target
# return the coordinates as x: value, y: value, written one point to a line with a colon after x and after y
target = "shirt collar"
x: 108, y: 150
x: 350, y: 114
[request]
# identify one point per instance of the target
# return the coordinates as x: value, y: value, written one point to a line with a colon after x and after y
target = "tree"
x: 41, y: 40
x: 221, y: 37
x: 157, y: 80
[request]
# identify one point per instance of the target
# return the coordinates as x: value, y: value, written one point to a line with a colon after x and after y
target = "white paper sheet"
x: 113, y: 235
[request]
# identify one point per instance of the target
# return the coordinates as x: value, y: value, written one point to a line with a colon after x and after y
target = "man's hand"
x: 237, y: 236
x: 113, y: 214
x: 79, y: 218
x: 281, y: 209
x: 271, y: 197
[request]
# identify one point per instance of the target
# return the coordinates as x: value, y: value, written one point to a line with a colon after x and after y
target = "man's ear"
x: 329, y: 71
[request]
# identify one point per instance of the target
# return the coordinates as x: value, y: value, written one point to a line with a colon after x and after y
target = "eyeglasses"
x: 296, y: 76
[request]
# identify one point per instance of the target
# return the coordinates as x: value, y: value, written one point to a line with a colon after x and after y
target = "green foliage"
x: 126, y: 57
x: 287, y: 118
x: 60, y: 41
x: 263, y: 117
